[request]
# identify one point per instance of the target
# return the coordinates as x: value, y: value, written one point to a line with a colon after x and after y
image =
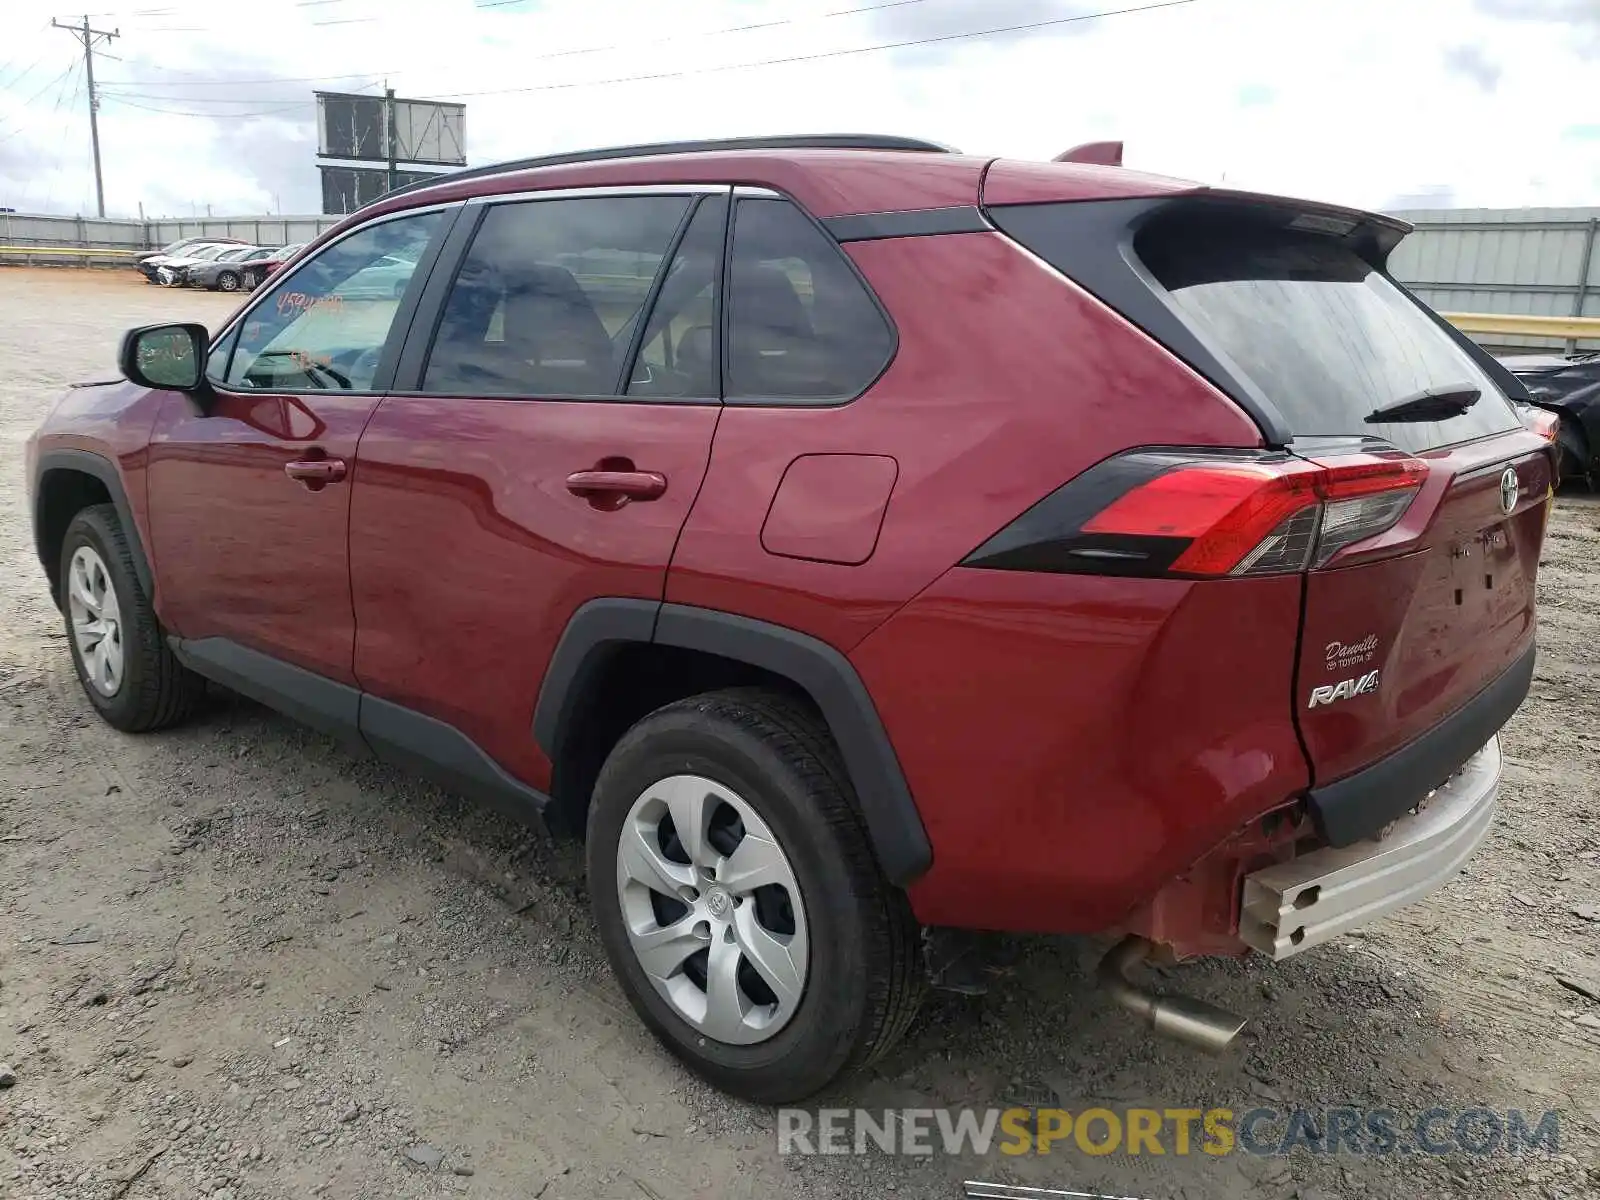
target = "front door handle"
x: 316, y: 473
x: 613, y: 489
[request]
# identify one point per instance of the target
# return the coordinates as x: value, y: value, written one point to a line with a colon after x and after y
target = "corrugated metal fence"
x: 1520, y: 261
x: 30, y: 238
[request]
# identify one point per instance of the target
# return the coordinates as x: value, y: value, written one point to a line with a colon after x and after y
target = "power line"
x: 582, y: 50
x: 800, y: 58
x: 164, y: 98
x: 29, y: 101
x: 168, y: 98
x: 128, y: 97
x: 66, y: 126
x: 33, y: 66
x: 678, y: 37
x: 241, y: 82
x: 180, y: 112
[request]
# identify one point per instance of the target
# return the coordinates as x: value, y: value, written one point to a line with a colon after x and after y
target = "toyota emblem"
x: 1510, y: 489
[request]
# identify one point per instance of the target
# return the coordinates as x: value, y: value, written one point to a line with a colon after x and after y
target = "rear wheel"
x: 228, y: 281
x: 739, y: 901
x: 122, y: 659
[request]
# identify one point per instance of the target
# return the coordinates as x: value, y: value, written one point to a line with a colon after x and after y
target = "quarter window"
x: 549, y: 296
x: 323, y: 328
x: 801, y: 325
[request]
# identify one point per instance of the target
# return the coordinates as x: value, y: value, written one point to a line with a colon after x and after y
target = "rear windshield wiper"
x: 1430, y: 404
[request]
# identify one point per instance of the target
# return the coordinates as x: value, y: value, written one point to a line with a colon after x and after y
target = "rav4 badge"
x: 1347, y: 689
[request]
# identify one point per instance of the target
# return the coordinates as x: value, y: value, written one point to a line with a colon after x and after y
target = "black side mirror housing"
x: 167, y: 357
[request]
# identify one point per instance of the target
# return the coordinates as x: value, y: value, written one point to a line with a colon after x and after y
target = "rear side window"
x: 801, y: 324
x: 678, y: 353
x: 549, y: 295
x: 1328, y: 338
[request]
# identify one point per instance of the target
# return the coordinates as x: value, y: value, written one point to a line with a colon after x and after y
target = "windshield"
x: 206, y: 253
x: 234, y: 255
x: 1326, y: 336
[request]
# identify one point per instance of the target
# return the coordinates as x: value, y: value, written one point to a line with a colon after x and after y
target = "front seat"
x: 554, y: 333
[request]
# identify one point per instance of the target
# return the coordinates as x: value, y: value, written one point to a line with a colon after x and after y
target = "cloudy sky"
x: 1379, y: 103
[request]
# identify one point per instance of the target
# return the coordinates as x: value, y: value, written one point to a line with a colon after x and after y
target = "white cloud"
x: 1363, y: 101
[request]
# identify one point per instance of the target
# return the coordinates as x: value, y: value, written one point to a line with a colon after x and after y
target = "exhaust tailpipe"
x: 1202, y: 1025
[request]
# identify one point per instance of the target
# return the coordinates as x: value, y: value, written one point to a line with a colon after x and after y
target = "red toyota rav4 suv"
x: 853, y: 540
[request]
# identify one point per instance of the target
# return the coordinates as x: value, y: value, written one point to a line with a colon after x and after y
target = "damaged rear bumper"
x: 1295, y: 905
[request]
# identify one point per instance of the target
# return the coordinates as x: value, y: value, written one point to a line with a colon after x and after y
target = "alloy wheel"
x: 96, y: 620
x: 713, y: 909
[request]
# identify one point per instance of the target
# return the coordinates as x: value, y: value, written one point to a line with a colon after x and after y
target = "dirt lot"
x: 235, y: 961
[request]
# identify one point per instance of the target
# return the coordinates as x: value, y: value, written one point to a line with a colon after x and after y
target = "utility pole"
x: 390, y: 134
x: 89, y: 37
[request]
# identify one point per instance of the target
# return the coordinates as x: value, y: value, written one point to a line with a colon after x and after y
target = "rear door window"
x: 549, y: 295
x: 679, y: 355
x: 1327, y: 337
x: 801, y: 324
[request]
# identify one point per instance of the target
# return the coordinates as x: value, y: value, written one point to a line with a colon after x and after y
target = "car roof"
x: 830, y: 174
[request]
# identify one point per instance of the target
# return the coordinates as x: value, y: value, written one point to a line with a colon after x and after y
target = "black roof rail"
x: 798, y: 141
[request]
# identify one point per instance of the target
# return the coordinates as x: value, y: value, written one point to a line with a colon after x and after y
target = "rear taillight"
x: 1541, y: 420
x: 1171, y: 513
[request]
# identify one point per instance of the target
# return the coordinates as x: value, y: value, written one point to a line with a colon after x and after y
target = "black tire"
x: 228, y: 281
x: 156, y: 691
x: 864, y: 980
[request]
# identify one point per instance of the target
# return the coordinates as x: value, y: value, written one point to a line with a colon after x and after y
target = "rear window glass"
x: 1328, y: 339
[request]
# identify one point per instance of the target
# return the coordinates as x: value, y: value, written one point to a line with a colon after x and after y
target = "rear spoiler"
x: 1103, y: 154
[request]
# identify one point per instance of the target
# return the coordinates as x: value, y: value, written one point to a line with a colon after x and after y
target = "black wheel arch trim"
x: 600, y: 627
x: 594, y: 632
x: 97, y: 466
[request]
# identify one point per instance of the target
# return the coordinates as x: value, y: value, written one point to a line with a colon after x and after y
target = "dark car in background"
x: 1568, y: 386
x: 227, y: 272
x: 259, y: 269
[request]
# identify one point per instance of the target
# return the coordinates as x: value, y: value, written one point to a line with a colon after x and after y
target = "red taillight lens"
x: 1263, y: 518
x: 1542, y: 421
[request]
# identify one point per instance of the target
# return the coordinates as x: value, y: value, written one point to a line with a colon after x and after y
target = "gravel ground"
x: 237, y: 962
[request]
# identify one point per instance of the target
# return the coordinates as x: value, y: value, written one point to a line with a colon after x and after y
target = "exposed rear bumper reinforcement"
x: 1292, y: 906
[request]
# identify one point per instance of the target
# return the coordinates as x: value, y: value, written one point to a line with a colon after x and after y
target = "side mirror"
x: 172, y: 357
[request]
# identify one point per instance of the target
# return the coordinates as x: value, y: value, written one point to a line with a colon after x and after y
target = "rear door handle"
x: 316, y: 472
x: 617, y: 486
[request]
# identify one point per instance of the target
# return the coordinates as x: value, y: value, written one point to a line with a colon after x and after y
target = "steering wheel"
x: 365, y: 365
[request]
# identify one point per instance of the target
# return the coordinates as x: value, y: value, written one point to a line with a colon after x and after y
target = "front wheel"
x: 739, y: 901
x: 228, y: 281
x: 123, y: 662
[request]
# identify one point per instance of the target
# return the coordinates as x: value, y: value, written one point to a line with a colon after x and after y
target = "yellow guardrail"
x: 91, y: 251
x: 1525, y: 326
